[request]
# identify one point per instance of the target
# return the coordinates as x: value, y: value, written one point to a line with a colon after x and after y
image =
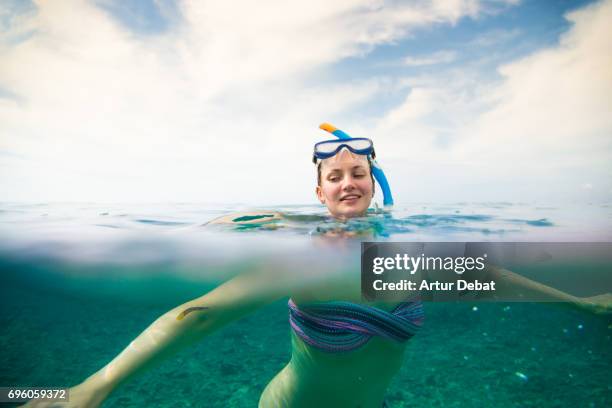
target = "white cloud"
x: 540, y: 130
x: 559, y: 99
x: 101, y: 113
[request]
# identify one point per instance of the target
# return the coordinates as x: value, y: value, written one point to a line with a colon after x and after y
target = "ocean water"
x: 80, y: 281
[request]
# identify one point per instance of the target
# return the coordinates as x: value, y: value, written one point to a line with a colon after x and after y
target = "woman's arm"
x: 252, y: 217
x: 189, y: 323
x: 179, y: 328
x: 510, y: 285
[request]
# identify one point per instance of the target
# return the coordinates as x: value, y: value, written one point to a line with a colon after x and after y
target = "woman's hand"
x: 88, y: 394
x: 599, y: 305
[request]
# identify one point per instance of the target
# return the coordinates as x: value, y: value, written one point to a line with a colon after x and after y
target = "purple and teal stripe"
x: 345, y: 326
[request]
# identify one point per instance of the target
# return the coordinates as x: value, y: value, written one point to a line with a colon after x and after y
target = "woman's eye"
x: 334, y: 179
x: 359, y: 175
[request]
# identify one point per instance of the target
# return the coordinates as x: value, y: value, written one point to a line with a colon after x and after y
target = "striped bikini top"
x: 344, y: 326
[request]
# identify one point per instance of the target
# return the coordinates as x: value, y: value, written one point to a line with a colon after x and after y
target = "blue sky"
x: 465, y: 100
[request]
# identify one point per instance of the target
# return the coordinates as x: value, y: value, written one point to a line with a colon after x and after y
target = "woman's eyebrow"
x: 338, y: 170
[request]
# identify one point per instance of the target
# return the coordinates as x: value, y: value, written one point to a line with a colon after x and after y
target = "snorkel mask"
x: 359, y: 145
x: 329, y: 148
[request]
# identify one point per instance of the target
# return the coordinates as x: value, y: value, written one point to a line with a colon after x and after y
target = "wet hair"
x: 369, y: 165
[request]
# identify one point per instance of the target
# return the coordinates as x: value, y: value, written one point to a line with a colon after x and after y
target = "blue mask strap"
x: 377, y: 171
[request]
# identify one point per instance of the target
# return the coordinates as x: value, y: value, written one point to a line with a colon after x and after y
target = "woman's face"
x: 346, y: 185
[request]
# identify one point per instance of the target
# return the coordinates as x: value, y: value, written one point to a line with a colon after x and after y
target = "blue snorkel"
x: 377, y: 171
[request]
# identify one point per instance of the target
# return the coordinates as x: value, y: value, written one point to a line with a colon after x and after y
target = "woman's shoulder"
x: 251, y: 217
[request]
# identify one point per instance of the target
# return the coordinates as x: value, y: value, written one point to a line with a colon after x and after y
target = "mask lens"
x: 359, y: 144
x: 327, y: 147
x: 331, y: 147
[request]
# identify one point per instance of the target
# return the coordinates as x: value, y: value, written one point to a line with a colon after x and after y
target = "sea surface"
x: 80, y: 281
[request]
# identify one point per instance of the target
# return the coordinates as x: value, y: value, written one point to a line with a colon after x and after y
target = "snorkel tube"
x: 377, y: 171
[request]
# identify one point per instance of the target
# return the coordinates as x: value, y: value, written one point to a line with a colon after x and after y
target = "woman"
x: 333, y: 363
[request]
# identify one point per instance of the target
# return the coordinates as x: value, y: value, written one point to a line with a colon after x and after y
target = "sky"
x: 220, y: 102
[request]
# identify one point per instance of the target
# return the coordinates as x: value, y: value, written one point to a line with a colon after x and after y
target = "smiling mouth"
x: 350, y: 197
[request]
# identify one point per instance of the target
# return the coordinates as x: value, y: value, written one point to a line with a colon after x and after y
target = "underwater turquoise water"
x: 79, y: 282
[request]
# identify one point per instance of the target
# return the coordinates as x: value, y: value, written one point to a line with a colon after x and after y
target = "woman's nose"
x: 348, y: 183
